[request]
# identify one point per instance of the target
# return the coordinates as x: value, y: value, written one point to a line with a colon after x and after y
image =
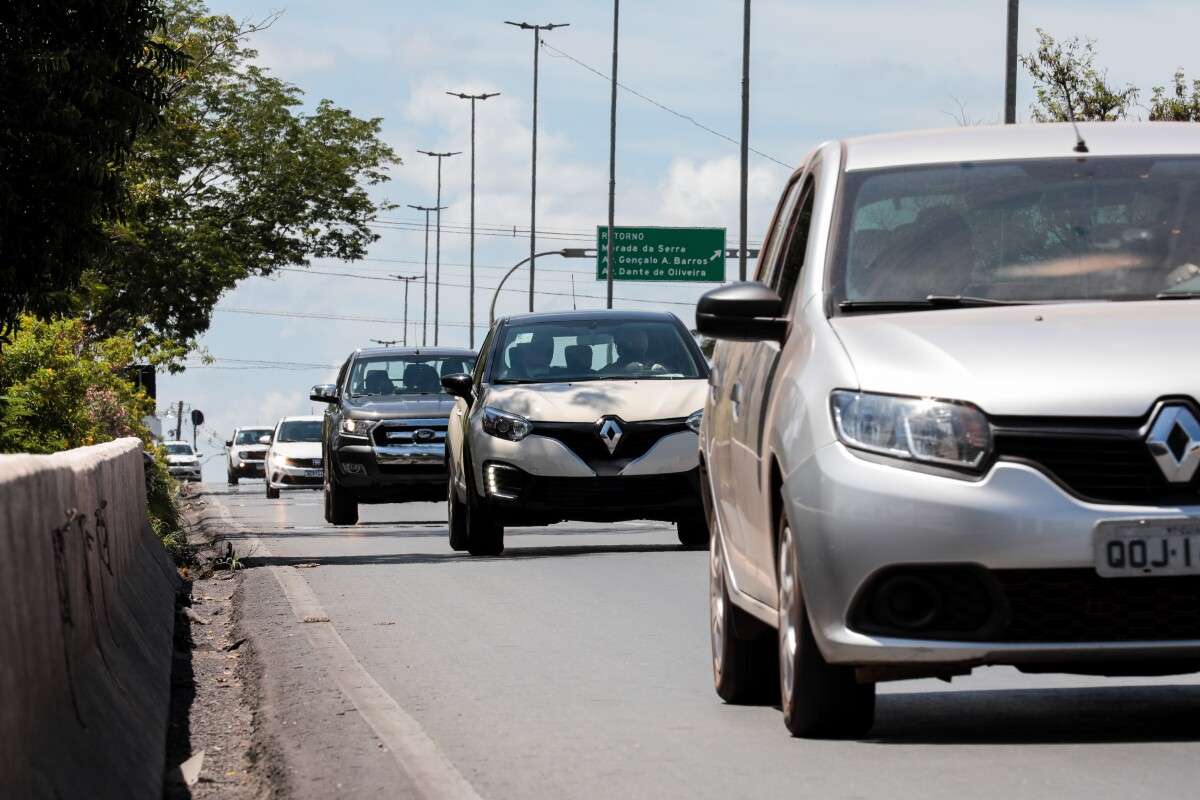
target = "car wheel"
x: 456, y: 519
x: 233, y: 479
x: 819, y: 699
x: 272, y: 494
x: 743, y: 649
x: 693, y: 531
x: 340, y: 506
x: 485, y: 536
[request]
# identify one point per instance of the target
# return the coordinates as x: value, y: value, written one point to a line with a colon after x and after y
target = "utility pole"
x: 473, y: 98
x: 425, y: 291
x: 386, y: 342
x: 437, y: 276
x: 537, y: 41
x: 745, y: 177
x: 612, y: 160
x: 1010, y: 66
x: 407, y: 280
x: 179, y: 422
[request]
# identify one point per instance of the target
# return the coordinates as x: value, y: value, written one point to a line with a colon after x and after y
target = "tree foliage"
x: 240, y: 181
x: 1065, y: 77
x: 79, y: 81
x: 1178, y: 105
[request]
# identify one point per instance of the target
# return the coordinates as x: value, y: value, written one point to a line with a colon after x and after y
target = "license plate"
x: 313, y: 473
x: 1140, y: 548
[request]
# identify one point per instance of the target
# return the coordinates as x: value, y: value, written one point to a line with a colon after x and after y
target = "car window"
x: 299, y: 430
x: 179, y: 449
x: 778, y: 235
x: 484, y: 349
x: 1034, y: 230
x: 596, y: 349
x: 384, y: 376
x: 792, y: 263
x: 251, y: 436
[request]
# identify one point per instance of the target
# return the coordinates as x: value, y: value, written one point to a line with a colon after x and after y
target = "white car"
x: 183, y: 462
x: 246, y: 455
x: 577, y: 416
x: 294, y: 458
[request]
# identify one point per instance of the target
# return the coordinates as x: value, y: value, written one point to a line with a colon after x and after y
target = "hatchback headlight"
x: 504, y: 425
x: 693, y: 421
x: 358, y: 427
x: 942, y: 432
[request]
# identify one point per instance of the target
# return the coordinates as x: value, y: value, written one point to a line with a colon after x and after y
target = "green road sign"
x: 662, y: 254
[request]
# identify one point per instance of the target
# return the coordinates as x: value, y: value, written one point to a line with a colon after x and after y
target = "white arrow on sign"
x: 716, y: 254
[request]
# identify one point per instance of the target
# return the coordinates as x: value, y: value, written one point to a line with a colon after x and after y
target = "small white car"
x: 577, y: 416
x: 294, y: 458
x: 246, y: 452
x: 183, y: 462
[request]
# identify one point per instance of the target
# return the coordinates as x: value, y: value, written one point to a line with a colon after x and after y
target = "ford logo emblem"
x: 423, y: 435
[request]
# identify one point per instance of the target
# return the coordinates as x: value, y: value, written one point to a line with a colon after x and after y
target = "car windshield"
x: 384, y: 376
x: 300, y: 430
x: 179, y: 449
x: 251, y: 436
x: 594, y: 350
x: 1064, y: 229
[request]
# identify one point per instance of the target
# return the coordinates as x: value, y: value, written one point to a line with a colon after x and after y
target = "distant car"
x: 247, y: 453
x: 577, y: 416
x: 183, y: 462
x: 384, y: 436
x: 294, y: 457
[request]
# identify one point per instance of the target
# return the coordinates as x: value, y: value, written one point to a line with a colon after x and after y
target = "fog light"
x: 494, y: 479
x: 355, y: 469
x: 909, y: 602
x: 241, y: 465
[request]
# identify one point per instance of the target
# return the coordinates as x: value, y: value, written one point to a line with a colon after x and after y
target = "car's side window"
x: 786, y: 278
x: 484, y: 353
x: 341, y: 378
x: 777, y: 236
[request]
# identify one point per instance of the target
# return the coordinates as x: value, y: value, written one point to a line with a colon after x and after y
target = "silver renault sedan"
x: 955, y: 422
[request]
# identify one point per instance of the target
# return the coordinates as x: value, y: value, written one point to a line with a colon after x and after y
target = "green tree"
x: 1065, y: 76
x: 1177, y: 106
x: 241, y: 181
x: 79, y: 81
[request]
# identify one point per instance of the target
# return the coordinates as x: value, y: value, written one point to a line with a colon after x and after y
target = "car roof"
x: 415, y: 351
x: 302, y: 419
x: 596, y: 313
x: 253, y: 428
x: 1014, y: 142
x: 176, y: 441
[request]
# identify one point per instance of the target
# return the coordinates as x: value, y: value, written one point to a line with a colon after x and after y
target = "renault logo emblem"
x: 1174, y: 441
x: 610, y: 433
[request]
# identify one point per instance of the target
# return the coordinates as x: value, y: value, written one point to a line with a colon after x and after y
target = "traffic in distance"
x: 950, y: 424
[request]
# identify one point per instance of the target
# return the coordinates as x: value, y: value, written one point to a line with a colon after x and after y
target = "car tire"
x: 272, y: 494
x: 819, y: 699
x: 233, y: 479
x: 456, y: 519
x: 744, y: 662
x: 340, y: 506
x: 693, y: 531
x: 485, y: 536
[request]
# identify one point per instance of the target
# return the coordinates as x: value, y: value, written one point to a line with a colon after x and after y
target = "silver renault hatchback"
x: 954, y: 421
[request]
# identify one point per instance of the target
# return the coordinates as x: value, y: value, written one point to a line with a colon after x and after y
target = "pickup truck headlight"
x: 358, y: 427
x: 504, y: 425
x: 693, y: 421
x: 948, y: 433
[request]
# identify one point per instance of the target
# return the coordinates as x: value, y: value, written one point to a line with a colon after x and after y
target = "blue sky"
x: 819, y: 71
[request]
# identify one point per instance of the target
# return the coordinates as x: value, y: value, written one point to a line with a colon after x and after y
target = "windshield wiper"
x: 1177, y: 296
x: 930, y: 301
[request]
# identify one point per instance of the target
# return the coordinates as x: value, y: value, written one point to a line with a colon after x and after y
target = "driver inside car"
x: 631, y: 344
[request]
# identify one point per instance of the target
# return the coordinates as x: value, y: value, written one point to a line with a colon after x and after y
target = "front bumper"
x: 391, y: 473
x: 287, y: 476
x: 247, y: 468
x: 856, y: 520
x: 187, y: 473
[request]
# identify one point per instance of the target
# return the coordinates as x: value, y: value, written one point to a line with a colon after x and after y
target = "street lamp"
x: 612, y: 154
x: 569, y: 252
x: 537, y: 36
x: 425, y: 290
x: 473, y: 98
x: 437, y: 276
x: 743, y: 213
x: 407, y: 280
x: 1010, y: 65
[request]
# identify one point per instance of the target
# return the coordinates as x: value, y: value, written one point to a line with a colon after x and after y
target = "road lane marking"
x: 434, y: 777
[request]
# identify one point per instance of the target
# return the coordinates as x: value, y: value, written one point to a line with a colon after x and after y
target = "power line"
x: 668, y: 109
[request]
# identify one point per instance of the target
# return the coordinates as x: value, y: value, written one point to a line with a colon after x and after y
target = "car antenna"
x: 1080, y: 144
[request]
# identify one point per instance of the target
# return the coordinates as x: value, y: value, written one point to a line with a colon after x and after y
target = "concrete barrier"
x: 86, y: 624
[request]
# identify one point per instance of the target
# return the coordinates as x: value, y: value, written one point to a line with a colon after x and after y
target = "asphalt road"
x: 577, y: 666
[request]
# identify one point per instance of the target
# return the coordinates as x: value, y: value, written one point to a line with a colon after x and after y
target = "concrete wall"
x: 86, y: 624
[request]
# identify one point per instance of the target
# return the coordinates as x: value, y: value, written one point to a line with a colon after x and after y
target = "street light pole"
x: 569, y: 252
x: 437, y: 275
x: 612, y: 156
x: 407, y: 280
x: 1010, y: 65
x: 537, y: 34
x: 473, y: 98
x: 745, y: 180
x: 425, y: 289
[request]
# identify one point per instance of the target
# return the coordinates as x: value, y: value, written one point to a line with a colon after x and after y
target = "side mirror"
x: 743, y: 312
x: 459, y: 385
x: 229, y: 442
x: 323, y: 393
x: 264, y: 439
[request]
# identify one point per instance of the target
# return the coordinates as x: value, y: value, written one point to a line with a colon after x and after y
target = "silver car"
x: 954, y: 422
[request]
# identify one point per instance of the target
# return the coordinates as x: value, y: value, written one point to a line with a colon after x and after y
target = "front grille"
x: 305, y: 463
x: 1102, y: 460
x: 1077, y: 605
x: 410, y: 431
x: 436, y: 470
x: 296, y: 480
x: 583, y: 439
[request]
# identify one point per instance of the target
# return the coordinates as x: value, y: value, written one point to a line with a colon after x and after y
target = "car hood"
x: 297, y: 449
x: 250, y: 448
x: 588, y: 401
x: 430, y: 406
x: 1070, y: 359
x: 177, y: 459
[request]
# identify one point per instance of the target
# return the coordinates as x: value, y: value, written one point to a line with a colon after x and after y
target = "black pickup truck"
x: 384, y: 430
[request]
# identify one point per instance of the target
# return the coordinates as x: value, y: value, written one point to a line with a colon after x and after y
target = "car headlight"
x: 942, y: 432
x: 504, y: 425
x: 695, y: 419
x: 358, y: 427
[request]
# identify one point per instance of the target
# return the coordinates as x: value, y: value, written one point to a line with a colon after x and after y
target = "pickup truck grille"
x: 398, y: 433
